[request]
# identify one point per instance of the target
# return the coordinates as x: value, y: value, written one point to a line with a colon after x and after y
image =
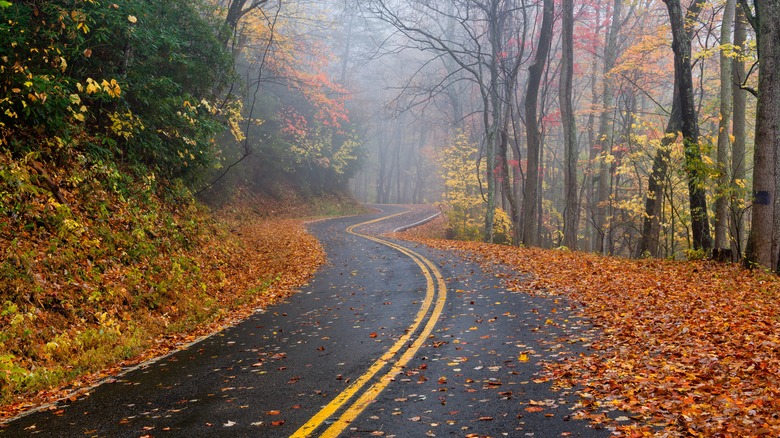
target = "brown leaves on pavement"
x: 688, y: 348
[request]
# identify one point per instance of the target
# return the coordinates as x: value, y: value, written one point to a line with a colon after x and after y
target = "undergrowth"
x: 101, y: 272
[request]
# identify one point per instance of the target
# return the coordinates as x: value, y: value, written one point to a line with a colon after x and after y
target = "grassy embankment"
x: 100, y: 271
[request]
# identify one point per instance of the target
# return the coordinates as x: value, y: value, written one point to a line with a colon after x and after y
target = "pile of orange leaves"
x: 685, y: 348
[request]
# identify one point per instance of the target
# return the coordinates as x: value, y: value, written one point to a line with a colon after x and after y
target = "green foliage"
x: 176, y: 67
x: 696, y: 254
x: 108, y: 110
x: 134, y: 81
x: 118, y: 250
x: 10, y: 372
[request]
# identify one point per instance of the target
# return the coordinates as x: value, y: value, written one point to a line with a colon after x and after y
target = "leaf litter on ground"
x: 687, y: 348
x: 246, y: 261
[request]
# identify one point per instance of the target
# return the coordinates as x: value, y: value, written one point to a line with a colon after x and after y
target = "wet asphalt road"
x: 266, y: 377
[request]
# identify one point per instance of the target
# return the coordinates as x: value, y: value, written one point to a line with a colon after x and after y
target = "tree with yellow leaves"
x: 462, y: 201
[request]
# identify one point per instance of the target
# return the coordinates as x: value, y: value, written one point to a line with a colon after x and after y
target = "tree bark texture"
x: 681, y: 46
x: 603, y: 145
x: 649, y: 242
x: 533, y: 134
x: 738, y: 155
x: 722, y: 244
x: 235, y: 12
x: 767, y: 137
x: 571, y: 210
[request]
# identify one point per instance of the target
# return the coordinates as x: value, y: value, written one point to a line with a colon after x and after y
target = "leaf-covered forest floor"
x: 107, y: 279
x: 687, y: 348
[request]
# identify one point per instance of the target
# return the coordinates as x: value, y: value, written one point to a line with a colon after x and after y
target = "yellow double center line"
x: 435, y: 282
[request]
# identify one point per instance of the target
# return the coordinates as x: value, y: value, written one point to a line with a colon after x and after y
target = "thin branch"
x: 247, y: 150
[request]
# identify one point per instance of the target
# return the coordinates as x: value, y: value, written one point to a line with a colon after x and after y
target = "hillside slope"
x: 100, y: 270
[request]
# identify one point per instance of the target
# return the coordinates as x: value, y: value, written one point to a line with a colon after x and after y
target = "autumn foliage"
x: 103, y: 282
x: 296, y: 122
x: 112, y: 114
x: 686, y: 348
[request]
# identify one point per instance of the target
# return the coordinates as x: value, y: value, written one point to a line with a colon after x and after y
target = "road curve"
x: 389, y: 339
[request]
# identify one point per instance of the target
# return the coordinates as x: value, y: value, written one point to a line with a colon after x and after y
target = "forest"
x: 639, y: 129
x: 156, y: 158
x: 143, y: 148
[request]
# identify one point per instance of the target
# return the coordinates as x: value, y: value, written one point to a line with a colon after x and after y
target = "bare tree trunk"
x: 539, y: 204
x: 505, y: 173
x: 604, y: 139
x: 722, y: 246
x: 681, y: 46
x: 589, y: 183
x: 530, y: 222
x: 571, y: 211
x: 759, y: 250
x: 419, y: 177
x: 519, y: 180
x: 492, y: 119
x: 397, y: 162
x: 649, y: 242
x: 738, y: 156
x: 347, y: 45
x: 382, y: 178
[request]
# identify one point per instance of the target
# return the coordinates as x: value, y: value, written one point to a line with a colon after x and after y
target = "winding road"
x: 389, y: 339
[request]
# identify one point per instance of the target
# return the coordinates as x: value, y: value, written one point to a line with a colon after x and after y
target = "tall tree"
x: 603, y: 144
x: 722, y: 243
x: 738, y: 156
x: 470, y: 36
x: 681, y: 46
x: 651, y: 226
x: 533, y: 135
x: 591, y: 172
x: 763, y: 232
x: 571, y: 209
